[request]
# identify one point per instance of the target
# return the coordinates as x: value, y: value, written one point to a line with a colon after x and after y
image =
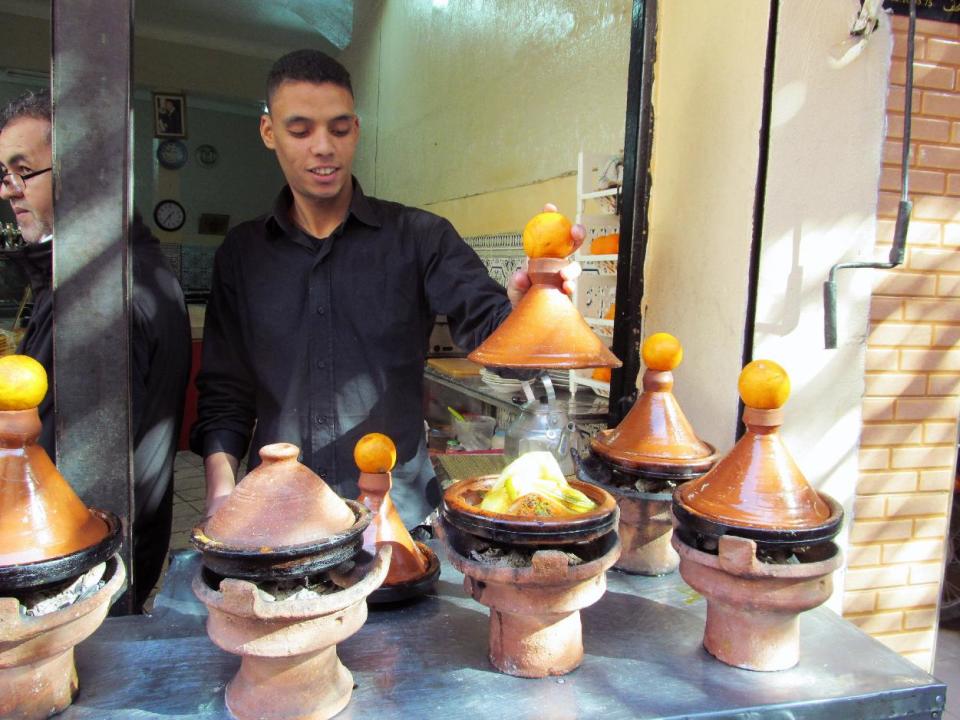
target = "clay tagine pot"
x: 755, y: 539
x: 289, y: 666
x: 38, y: 677
x: 47, y: 534
x: 645, y: 457
x: 534, y: 599
x: 545, y: 329
x: 414, y: 567
x: 48, y: 538
x: 281, y: 521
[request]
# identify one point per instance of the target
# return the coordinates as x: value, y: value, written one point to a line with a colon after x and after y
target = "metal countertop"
x: 643, y: 659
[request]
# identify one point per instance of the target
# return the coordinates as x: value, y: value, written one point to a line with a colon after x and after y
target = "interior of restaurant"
x: 481, y: 114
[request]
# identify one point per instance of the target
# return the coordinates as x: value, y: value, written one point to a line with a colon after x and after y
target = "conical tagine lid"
x: 41, y: 517
x: 758, y: 485
x: 375, y: 455
x: 545, y: 329
x: 655, y: 434
x: 281, y: 503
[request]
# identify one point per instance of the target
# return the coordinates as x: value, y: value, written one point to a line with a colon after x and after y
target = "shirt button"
x: 322, y: 472
x: 321, y: 364
x: 321, y: 419
x: 320, y: 310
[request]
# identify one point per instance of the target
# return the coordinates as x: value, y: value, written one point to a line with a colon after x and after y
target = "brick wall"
x: 912, y: 400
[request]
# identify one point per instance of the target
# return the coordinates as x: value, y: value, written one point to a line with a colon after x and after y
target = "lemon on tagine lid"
x: 47, y: 533
x: 655, y: 437
x: 414, y: 567
x: 545, y: 329
x: 757, y: 488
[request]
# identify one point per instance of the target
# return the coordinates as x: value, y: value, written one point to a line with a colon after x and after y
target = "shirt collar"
x: 360, y: 207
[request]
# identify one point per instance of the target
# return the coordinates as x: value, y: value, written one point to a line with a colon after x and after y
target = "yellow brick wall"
x: 912, y: 398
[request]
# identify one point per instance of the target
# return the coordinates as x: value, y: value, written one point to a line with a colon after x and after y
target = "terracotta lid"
x: 545, y: 329
x: 281, y: 503
x: 656, y: 435
x: 758, y: 485
x: 42, y: 517
x: 375, y: 455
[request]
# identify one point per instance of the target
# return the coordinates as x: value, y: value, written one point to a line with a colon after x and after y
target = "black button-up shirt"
x: 320, y: 341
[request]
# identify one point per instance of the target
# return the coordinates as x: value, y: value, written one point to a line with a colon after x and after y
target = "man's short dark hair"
x: 310, y: 66
x: 31, y: 104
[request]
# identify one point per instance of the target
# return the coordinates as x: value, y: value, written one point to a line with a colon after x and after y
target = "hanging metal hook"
x: 899, y: 248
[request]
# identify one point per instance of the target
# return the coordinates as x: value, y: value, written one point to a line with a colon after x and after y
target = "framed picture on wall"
x: 169, y: 116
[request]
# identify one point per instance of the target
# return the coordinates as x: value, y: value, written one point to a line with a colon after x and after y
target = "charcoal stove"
x: 642, y: 460
x: 535, y: 574
x: 48, y: 540
x: 755, y: 538
x: 283, y: 523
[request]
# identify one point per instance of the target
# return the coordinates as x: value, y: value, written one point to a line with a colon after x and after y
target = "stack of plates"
x: 560, y: 378
x: 497, y: 383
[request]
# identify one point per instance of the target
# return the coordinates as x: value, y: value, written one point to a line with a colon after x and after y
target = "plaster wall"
x: 707, y: 110
x: 470, y: 99
x: 826, y: 136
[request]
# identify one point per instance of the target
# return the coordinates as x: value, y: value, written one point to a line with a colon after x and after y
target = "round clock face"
x: 169, y: 215
x: 172, y: 154
x: 207, y: 155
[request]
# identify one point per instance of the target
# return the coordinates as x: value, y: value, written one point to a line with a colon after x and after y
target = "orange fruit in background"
x: 375, y: 453
x: 23, y: 382
x: 661, y: 351
x: 606, y: 245
x: 764, y: 385
x: 611, y: 312
x: 601, y: 374
x: 547, y: 235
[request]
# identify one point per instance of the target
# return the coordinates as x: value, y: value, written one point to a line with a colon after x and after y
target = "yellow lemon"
x: 23, y: 382
x: 661, y: 351
x: 764, y: 385
x: 547, y: 235
x: 375, y: 453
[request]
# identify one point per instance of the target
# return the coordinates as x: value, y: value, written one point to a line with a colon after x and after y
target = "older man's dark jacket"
x: 159, y: 368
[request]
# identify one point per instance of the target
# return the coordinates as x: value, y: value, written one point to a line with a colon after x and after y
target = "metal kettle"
x: 541, y: 426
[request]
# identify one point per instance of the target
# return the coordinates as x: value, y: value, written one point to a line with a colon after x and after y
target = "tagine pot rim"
x: 49, y: 571
x: 665, y: 467
x: 500, y: 527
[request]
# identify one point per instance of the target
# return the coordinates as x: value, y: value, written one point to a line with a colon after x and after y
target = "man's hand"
x: 220, y: 469
x: 520, y: 282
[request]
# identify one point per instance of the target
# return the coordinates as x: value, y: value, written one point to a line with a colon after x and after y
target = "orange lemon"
x: 375, y: 453
x: 764, y: 385
x: 547, y: 235
x: 661, y: 351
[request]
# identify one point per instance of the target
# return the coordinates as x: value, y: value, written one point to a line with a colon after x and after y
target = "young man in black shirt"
x: 320, y: 311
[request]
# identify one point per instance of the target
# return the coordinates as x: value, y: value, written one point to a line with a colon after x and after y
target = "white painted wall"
x: 707, y: 108
x: 827, y: 132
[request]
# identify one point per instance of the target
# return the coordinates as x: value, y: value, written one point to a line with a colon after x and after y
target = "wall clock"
x: 172, y: 154
x: 169, y: 215
x: 207, y: 155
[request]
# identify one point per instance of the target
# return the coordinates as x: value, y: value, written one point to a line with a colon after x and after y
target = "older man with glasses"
x: 160, y: 337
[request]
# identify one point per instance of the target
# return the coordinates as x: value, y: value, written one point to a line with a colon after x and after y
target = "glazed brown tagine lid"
x: 414, y: 567
x: 757, y: 491
x: 545, y: 329
x: 655, y: 437
x: 47, y: 534
x: 281, y: 521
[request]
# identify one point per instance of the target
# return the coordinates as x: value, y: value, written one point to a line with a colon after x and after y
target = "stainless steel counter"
x: 644, y: 659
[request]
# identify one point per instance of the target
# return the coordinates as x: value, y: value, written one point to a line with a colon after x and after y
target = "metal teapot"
x: 541, y: 426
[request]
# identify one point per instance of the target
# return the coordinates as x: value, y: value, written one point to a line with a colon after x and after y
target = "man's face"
x: 25, y: 148
x: 314, y: 131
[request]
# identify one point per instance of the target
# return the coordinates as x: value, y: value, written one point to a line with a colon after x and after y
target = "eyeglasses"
x: 17, y: 182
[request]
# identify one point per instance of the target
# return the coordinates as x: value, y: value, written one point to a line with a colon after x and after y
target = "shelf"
x: 609, y: 192
x: 599, y: 322
x: 587, y: 258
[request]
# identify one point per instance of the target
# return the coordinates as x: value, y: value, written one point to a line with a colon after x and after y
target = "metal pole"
x: 634, y: 224
x: 90, y: 80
